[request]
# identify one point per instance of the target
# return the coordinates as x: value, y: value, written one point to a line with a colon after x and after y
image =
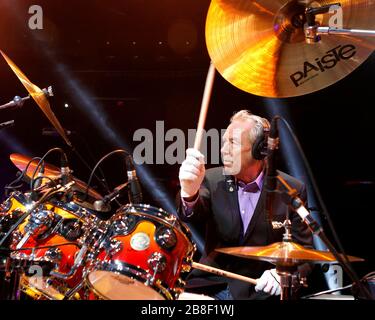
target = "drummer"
x: 229, y: 202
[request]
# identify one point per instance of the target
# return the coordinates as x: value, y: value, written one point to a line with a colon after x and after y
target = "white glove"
x: 191, y: 173
x: 269, y: 282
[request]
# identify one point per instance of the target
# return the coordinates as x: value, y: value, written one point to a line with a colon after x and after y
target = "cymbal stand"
x: 288, y: 280
x: 313, y: 30
x: 287, y: 271
x: 290, y: 197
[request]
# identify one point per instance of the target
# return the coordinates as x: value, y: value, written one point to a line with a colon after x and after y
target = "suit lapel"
x: 231, y: 205
x: 258, y: 214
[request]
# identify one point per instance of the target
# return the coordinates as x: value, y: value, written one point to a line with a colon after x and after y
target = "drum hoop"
x: 26, y: 287
x: 112, y: 266
x: 18, y: 196
x: 71, y: 207
x: 28, y: 259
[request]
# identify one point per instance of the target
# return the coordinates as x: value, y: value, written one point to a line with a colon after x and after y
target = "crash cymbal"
x: 284, y: 253
x: 21, y: 161
x: 39, y: 96
x: 259, y: 46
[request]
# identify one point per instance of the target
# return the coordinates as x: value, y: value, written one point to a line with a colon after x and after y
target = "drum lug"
x: 177, y: 292
x: 186, y: 265
x: 179, y: 286
x: 166, y: 238
x: 113, y: 246
x: 123, y: 225
x: 180, y: 283
x: 157, y: 262
x: 53, y: 255
x: 16, y: 237
x: 49, y: 281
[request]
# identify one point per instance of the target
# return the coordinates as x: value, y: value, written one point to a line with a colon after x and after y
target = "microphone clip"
x: 103, y: 204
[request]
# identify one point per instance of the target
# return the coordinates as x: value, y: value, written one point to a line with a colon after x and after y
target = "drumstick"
x: 223, y: 273
x: 204, y: 106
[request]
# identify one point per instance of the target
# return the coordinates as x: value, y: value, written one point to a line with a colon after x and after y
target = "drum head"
x: 193, y: 296
x: 111, y: 286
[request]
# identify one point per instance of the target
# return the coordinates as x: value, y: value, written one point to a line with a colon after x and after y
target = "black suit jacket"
x: 217, y: 210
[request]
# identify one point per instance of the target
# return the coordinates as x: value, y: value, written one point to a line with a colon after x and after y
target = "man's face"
x: 236, y: 149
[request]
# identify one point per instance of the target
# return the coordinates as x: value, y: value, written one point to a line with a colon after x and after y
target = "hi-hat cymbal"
x: 284, y: 253
x: 39, y: 96
x: 259, y: 46
x: 21, y: 161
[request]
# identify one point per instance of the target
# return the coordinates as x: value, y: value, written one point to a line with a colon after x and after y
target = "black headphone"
x: 259, y: 149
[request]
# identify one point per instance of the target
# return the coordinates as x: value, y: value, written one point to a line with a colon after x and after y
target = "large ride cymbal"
x: 39, y: 96
x: 284, y: 253
x: 259, y: 46
x: 50, y: 171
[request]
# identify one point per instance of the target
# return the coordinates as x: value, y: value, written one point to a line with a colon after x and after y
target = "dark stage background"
x: 123, y: 65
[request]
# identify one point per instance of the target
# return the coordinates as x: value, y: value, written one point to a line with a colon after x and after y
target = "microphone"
x: 230, y: 183
x: 134, y: 191
x: 65, y: 176
x: 65, y: 170
x: 37, y: 183
x: 103, y: 204
x: 38, y: 180
x: 52, y: 132
x: 271, y: 178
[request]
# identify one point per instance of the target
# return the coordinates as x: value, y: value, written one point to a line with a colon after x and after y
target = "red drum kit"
x: 56, y: 247
x: 63, y: 251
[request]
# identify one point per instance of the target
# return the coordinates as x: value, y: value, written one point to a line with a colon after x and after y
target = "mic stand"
x: 18, y: 101
x: 6, y: 124
x: 291, y: 198
x: 313, y: 33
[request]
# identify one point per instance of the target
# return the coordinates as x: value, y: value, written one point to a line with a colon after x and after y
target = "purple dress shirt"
x: 248, y: 196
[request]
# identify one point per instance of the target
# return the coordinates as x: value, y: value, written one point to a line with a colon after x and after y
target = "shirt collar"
x: 259, y: 181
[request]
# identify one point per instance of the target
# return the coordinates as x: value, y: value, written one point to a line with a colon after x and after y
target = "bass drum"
x: 142, y: 257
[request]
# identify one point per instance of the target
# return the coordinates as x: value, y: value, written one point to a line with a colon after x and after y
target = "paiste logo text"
x: 311, y: 69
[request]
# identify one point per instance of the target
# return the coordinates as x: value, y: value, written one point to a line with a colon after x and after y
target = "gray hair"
x: 261, y: 124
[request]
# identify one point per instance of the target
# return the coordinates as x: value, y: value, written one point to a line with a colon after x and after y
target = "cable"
x: 48, y: 178
x: 344, y: 261
x: 315, y: 187
x: 10, y: 185
x: 41, y: 247
x: 102, y: 180
x: 40, y: 162
x: 98, y: 164
x: 326, y: 291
